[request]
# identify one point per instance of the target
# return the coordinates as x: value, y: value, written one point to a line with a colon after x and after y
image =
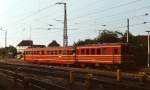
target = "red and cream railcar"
x: 109, y: 53
x: 55, y: 55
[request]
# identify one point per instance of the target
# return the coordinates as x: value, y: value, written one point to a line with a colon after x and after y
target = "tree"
x: 139, y: 51
x: 85, y: 42
x: 2, y: 53
x: 11, y: 51
x: 108, y: 37
x: 104, y: 37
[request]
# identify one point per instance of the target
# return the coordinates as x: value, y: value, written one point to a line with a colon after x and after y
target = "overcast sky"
x: 29, y: 19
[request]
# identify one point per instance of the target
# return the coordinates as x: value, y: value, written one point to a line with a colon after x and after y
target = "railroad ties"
x: 44, y: 77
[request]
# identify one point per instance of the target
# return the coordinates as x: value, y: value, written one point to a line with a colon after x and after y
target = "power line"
x: 129, y: 11
x: 104, y: 10
x: 132, y: 25
x: 35, y: 13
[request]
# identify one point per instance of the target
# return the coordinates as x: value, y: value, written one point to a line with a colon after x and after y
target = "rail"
x: 88, y: 76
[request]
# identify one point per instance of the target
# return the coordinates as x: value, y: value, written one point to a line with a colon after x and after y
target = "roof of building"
x: 25, y: 43
x: 38, y: 46
x: 53, y: 44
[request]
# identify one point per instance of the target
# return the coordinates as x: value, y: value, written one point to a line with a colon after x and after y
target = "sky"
x: 30, y: 19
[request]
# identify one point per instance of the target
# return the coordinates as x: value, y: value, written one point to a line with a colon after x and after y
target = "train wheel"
x: 68, y: 65
x: 97, y: 65
x: 83, y: 65
x: 87, y: 67
x: 108, y: 67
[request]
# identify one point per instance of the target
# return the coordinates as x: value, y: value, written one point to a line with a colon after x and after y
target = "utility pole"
x: 30, y: 32
x: 100, y: 31
x: 5, y: 39
x: 65, y: 36
x: 5, y: 36
x: 148, y: 54
x: 128, y: 30
x: 103, y: 29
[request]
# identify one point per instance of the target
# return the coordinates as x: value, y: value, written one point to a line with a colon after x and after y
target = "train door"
x: 115, y: 53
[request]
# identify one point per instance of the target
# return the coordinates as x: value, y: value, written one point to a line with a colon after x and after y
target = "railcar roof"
x: 71, y: 47
x: 104, y: 44
x: 49, y: 48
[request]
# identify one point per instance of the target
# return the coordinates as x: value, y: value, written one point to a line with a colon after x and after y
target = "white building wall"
x: 20, y: 50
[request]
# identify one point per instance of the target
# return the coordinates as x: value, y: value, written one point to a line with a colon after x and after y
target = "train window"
x: 64, y: 52
x: 93, y: 51
x: 69, y: 52
x: 38, y: 52
x: 87, y: 51
x: 82, y: 51
x: 48, y: 52
x: 60, y: 52
x: 34, y: 52
x: 42, y: 52
x: 103, y: 50
x: 115, y: 51
x: 52, y: 52
x: 98, y: 51
x: 55, y: 52
x: 31, y: 52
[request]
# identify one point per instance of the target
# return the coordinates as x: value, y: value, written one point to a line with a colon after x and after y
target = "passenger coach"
x: 55, y: 55
x: 99, y: 54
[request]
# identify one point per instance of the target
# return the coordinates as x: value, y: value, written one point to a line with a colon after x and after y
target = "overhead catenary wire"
x: 104, y: 10
x: 33, y: 14
x: 118, y: 19
x: 48, y: 15
x: 132, y: 25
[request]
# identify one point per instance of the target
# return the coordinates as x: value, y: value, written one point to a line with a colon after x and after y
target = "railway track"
x: 66, y: 78
x: 31, y: 81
